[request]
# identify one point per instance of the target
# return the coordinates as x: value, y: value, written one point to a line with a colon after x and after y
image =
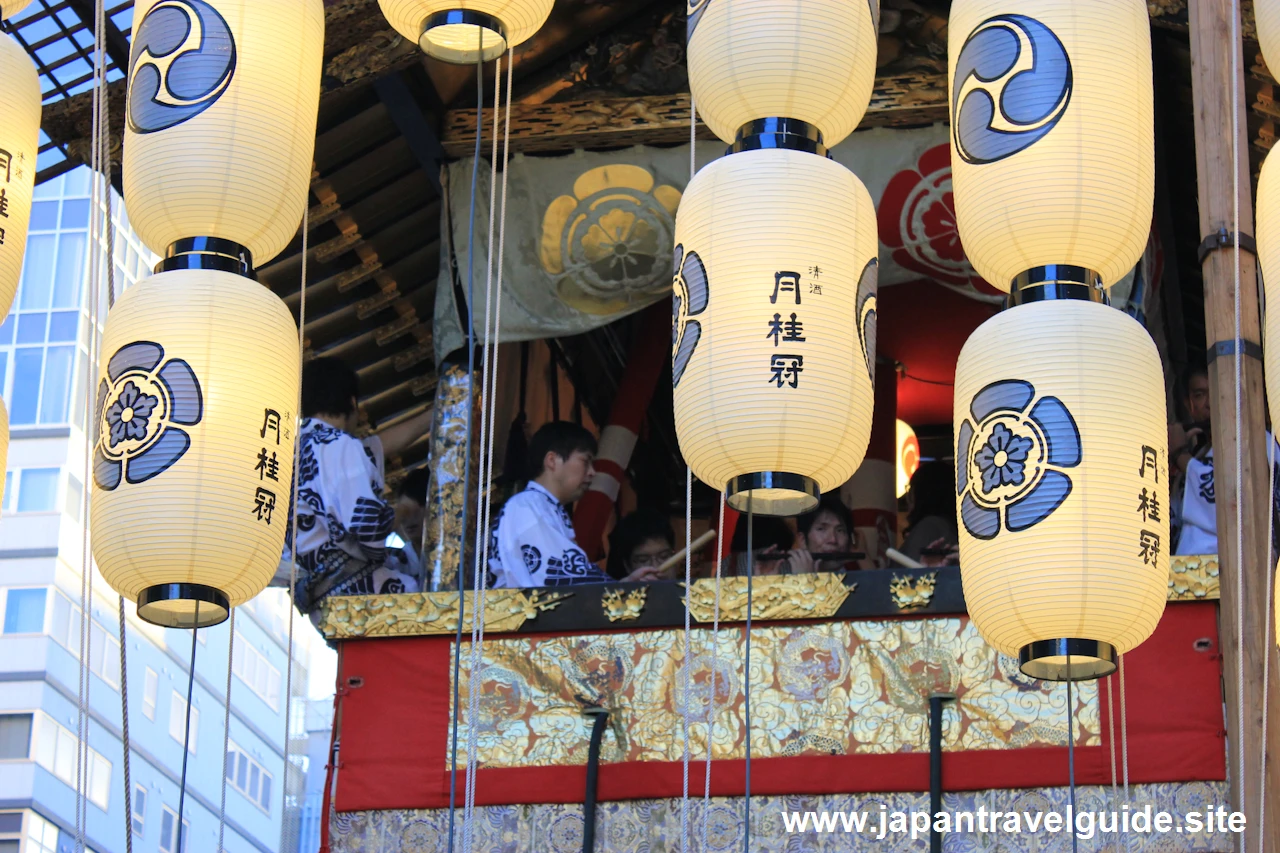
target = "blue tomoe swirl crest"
x: 1012, y: 84
x: 182, y: 61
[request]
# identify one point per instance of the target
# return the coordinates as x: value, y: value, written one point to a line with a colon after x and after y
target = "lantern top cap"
x: 774, y: 493
x: 463, y: 36
x: 215, y: 253
x: 1056, y: 281
x: 1067, y: 659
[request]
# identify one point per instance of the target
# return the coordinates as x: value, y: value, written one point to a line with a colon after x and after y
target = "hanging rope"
x: 1124, y: 739
x: 226, y: 732
x: 484, y: 477
x: 711, y: 701
x: 186, y: 731
x: 686, y: 712
x: 293, y: 552
x: 1111, y: 738
x: 466, y: 462
x: 1071, y: 755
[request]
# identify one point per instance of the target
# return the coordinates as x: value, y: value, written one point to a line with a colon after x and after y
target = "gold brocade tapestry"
x: 831, y: 689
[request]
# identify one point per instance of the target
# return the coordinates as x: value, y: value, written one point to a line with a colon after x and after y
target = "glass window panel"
x: 6, y: 329
x: 31, y: 328
x: 24, y: 611
x: 77, y: 393
x: 100, y: 782
x: 132, y: 260
x: 24, y: 402
x: 60, y: 625
x: 76, y: 182
x: 8, y: 492
x: 75, y: 213
x: 9, y: 846
x: 139, y: 809
x: 39, y: 490
x: 242, y: 773
x: 264, y: 799
x: 49, y: 189
x: 254, y: 775
x: 15, y: 735
x: 64, y: 757
x: 63, y: 326
x: 37, y: 271
x: 75, y: 496
x: 57, y: 385
x: 44, y: 216
x: 231, y: 764
x: 66, y: 283
x: 4, y: 369
x: 46, y: 743
x: 166, y: 831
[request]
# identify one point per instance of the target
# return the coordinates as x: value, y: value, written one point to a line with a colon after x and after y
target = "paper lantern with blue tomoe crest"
x: 466, y: 31
x: 773, y: 337
x: 1062, y: 485
x: 1053, y: 145
x: 194, y: 443
x: 220, y: 120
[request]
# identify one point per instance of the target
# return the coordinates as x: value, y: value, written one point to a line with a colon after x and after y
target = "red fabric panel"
x: 396, y: 727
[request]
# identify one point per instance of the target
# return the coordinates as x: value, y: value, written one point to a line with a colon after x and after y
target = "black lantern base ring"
x: 791, y: 134
x: 174, y: 605
x: 774, y: 493
x: 1056, y: 281
x: 207, y: 253
x: 1047, y: 659
x: 464, y: 55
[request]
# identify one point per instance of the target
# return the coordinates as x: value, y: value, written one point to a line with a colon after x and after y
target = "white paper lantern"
x: 1053, y: 151
x: 809, y: 60
x: 221, y: 120
x: 1062, y: 485
x: 193, y: 462
x: 19, y: 144
x: 9, y: 8
x: 465, y: 31
x: 773, y: 335
x: 1267, y: 16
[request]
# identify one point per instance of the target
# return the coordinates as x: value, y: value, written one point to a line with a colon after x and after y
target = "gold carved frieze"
x: 810, y: 596
x: 910, y: 593
x: 422, y: 613
x: 855, y: 687
x: 1194, y: 578
x: 624, y: 605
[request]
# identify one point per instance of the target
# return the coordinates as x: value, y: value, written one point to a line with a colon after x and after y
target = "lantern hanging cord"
x: 485, y: 475
x: 186, y: 731
x: 1124, y: 739
x: 226, y: 731
x: 711, y: 683
x: 1266, y: 638
x: 1071, y: 754
x: 1238, y: 362
x: 466, y: 445
x: 686, y: 712
x: 746, y: 675
x: 293, y: 552
x: 1111, y: 741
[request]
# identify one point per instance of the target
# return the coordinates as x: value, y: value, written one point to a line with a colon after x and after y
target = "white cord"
x: 297, y: 467
x: 711, y: 683
x: 1111, y: 724
x: 1124, y: 738
x: 686, y: 713
x: 1266, y: 638
x: 1239, y: 404
x: 226, y: 732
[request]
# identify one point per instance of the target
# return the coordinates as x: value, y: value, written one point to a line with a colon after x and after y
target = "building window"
x: 249, y: 777
x: 10, y: 831
x: 7, y: 506
x: 139, y: 809
x: 150, y: 687
x: 42, y: 836
x: 253, y: 668
x: 24, y: 611
x: 56, y: 752
x: 38, y: 490
x: 178, y: 721
x: 104, y: 648
x: 15, y: 736
x: 169, y: 831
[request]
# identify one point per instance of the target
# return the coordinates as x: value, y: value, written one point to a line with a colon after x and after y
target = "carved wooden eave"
x: 903, y: 100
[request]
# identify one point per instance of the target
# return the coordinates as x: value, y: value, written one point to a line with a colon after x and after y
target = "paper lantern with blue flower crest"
x: 193, y: 444
x: 1062, y: 485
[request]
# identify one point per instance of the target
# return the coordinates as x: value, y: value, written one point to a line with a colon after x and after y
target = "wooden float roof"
x: 601, y: 73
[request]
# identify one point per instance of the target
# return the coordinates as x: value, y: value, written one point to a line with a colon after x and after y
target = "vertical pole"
x: 600, y: 720
x: 1217, y: 58
x: 935, y: 766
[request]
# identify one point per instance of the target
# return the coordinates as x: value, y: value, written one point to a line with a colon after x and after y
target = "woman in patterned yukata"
x: 533, y: 543
x: 343, y: 517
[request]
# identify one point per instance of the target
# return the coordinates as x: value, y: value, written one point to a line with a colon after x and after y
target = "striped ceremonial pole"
x: 648, y: 356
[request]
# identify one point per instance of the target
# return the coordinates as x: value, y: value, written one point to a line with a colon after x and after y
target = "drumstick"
x: 678, y: 556
x: 902, y: 559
